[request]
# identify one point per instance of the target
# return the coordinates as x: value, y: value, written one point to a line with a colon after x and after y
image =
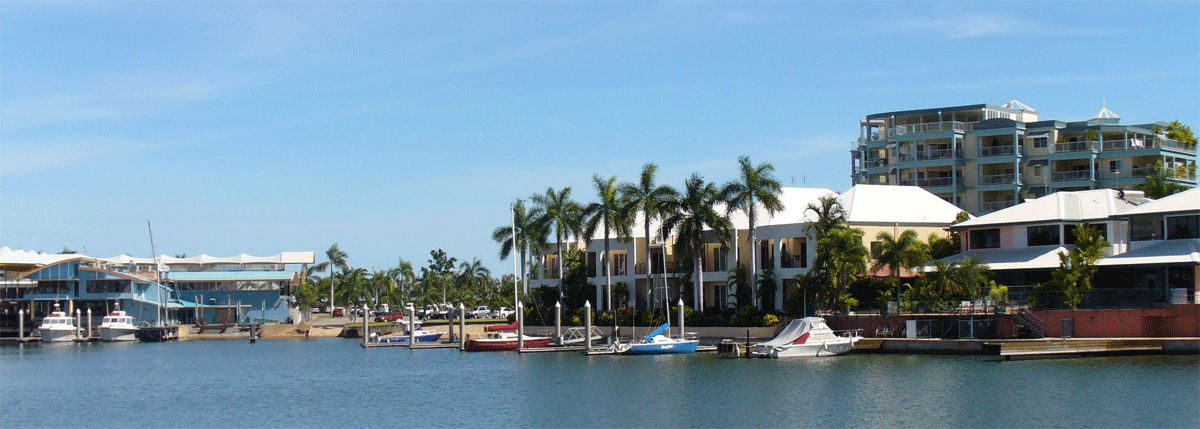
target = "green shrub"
x: 770, y: 320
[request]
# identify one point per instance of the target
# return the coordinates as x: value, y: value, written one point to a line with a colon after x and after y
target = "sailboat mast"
x: 157, y: 277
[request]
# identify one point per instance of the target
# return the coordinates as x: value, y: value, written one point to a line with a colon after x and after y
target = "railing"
x: 1031, y: 322
x: 875, y: 163
x: 1070, y: 176
x: 1096, y: 298
x: 1076, y: 146
x: 935, y: 154
x: 930, y: 127
x: 792, y: 261
x: 991, y: 206
x: 996, y: 151
x: 998, y: 179
x: 935, y: 182
x: 1172, y: 173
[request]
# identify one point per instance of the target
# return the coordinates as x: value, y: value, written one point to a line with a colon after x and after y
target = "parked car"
x: 502, y: 313
x: 480, y: 312
x: 390, y: 317
x: 339, y: 312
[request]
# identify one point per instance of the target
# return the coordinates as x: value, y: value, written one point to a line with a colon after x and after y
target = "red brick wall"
x: 1172, y: 321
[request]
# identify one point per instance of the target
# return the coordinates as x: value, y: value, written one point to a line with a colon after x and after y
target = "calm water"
x: 335, y: 383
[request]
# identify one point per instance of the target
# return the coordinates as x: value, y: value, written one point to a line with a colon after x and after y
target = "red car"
x: 339, y: 312
x: 390, y: 317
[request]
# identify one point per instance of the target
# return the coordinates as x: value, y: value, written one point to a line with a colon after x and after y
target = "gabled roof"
x: 1093, y: 205
x: 1024, y: 258
x: 888, y: 204
x: 1186, y: 201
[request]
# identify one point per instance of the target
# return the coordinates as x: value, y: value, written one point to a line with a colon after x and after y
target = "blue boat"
x: 657, y: 344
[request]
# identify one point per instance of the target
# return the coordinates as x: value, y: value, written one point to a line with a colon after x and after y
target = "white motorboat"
x: 118, y: 326
x: 58, y: 327
x: 809, y: 336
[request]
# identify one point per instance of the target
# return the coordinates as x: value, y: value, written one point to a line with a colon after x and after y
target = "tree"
x: 756, y: 186
x: 830, y: 214
x: 1158, y: 183
x: 609, y: 211
x: 382, y: 285
x: 896, y: 253
x: 526, y: 231
x: 561, y: 214
x: 840, y: 255
x: 441, y: 266
x: 1179, y: 132
x: 689, y: 216
x: 337, y: 259
x: 474, y: 278
x: 648, y: 198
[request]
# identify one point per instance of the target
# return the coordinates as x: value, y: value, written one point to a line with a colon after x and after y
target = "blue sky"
x: 395, y: 128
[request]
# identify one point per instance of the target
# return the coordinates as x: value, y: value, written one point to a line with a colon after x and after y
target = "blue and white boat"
x: 419, y: 336
x: 656, y: 344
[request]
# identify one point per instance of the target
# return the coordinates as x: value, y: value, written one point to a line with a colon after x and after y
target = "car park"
x: 502, y: 313
x: 480, y: 312
x: 390, y: 317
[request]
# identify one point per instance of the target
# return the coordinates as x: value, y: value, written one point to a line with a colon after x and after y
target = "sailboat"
x: 656, y: 343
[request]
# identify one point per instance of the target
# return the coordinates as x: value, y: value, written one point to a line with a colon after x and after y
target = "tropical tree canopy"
x: 756, y: 186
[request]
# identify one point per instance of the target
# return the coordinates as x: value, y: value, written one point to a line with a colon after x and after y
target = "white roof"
x: 1185, y: 201
x: 1164, y: 252
x: 896, y: 205
x: 24, y: 257
x: 1015, y: 259
x: 1098, y: 204
x: 282, y: 258
x: 1106, y: 114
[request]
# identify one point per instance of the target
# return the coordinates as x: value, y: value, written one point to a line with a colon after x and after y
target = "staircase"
x: 1031, y: 322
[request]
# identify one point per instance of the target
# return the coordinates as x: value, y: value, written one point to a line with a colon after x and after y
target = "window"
x: 1115, y: 165
x: 1142, y: 228
x: 1183, y: 227
x: 1069, y: 238
x: 618, y: 268
x: 1039, y: 142
x: 985, y: 239
x: 1039, y: 171
x: 1042, y: 235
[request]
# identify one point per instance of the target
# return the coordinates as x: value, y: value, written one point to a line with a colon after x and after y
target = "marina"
x: 235, y: 378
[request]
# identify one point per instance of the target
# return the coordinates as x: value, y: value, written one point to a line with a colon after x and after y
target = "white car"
x: 502, y: 313
x: 480, y: 312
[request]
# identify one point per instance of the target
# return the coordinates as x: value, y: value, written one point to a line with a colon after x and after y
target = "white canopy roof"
x: 24, y: 257
x: 888, y: 204
x: 1182, y: 202
x: 1015, y: 259
x: 282, y: 258
x: 1065, y: 206
x: 1163, y: 252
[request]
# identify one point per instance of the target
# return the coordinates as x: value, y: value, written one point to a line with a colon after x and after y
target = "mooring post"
x: 462, y: 325
x: 412, y: 315
x: 21, y: 325
x: 89, y: 323
x: 558, y: 322
x: 680, y: 307
x: 587, y: 325
x: 366, y: 327
x: 78, y: 322
x: 520, y: 326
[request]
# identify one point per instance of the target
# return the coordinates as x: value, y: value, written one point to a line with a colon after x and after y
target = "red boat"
x: 502, y: 338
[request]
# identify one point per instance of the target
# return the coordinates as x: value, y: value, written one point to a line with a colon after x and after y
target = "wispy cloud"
x: 954, y: 22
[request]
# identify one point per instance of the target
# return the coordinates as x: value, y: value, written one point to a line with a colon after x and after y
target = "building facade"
x: 984, y: 157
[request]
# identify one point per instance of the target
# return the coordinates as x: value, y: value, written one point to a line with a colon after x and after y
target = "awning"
x: 1015, y: 259
x: 182, y: 304
x: 1164, y: 252
x: 1039, y: 135
x: 1035, y: 162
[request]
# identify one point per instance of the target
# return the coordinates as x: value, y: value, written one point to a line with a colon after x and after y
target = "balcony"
x: 936, y: 154
x: 875, y: 163
x: 932, y: 127
x: 1172, y: 173
x: 996, y: 151
x: 1067, y: 147
x: 998, y: 179
x: 991, y: 206
x: 1154, y: 142
x: 1070, y: 176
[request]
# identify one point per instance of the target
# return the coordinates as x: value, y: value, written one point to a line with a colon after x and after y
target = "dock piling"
x: 462, y: 326
x: 520, y: 326
x: 587, y: 325
x: 558, y: 322
x: 78, y: 322
x: 412, y: 314
x: 21, y: 325
x: 89, y: 323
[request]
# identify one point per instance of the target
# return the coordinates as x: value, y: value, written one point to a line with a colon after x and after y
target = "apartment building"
x: 984, y: 158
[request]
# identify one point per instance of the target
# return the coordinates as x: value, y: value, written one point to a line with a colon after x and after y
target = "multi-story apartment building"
x: 984, y: 158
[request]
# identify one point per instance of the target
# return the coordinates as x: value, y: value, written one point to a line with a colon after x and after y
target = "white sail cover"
x: 795, y: 329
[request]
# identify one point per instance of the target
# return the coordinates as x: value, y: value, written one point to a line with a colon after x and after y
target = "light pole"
x: 513, y: 209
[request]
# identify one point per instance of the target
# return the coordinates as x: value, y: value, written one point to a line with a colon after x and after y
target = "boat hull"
x: 57, y: 335
x: 492, y: 345
x: 427, y: 338
x: 826, y: 348
x: 118, y: 334
x: 685, y: 346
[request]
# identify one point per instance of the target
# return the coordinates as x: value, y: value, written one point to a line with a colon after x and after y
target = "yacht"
x: 118, y: 326
x: 58, y: 327
x: 809, y: 336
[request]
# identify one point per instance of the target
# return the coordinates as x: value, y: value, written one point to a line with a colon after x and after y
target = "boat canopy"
x: 795, y: 329
x: 509, y: 327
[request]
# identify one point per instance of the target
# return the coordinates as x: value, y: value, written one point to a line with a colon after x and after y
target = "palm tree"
x: 562, y: 214
x: 526, y: 231
x: 337, y: 259
x: 840, y: 252
x: 755, y: 187
x: 830, y: 214
x: 905, y: 251
x: 474, y: 277
x: 609, y: 211
x: 354, y: 285
x: 690, y: 215
x: 381, y: 284
x: 648, y: 198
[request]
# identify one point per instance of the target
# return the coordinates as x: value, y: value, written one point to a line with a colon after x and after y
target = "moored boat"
x: 118, y: 326
x: 809, y: 336
x: 656, y: 344
x: 58, y: 327
x: 501, y: 341
x: 418, y: 335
